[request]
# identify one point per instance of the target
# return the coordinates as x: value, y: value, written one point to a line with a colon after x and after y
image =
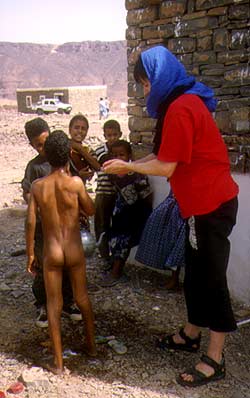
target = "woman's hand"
x: 116, y: 166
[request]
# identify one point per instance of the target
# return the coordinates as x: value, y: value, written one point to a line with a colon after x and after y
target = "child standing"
x: 37, y: 131
x: 105, y: 191
x: 132, y: 209
x: 81, y: 155
x: 58, y: 198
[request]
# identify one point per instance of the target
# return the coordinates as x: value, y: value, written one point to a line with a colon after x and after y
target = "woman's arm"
x: 151, y: 156
x: 151, y: 167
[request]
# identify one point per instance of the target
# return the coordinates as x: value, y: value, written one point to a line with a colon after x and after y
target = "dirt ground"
x: 134, y: 312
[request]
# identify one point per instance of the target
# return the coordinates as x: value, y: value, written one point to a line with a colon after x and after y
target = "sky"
x: 61, y: 21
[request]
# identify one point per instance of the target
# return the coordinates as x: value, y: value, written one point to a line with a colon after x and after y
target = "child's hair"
x: 112, y: 124
x: 78, y: 117
x: 33, y: 128
x: 139, y: 71
x: 57, y: 148
x: 124, y: 144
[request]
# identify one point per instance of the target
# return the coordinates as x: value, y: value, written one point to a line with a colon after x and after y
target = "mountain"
x: 29, y: 65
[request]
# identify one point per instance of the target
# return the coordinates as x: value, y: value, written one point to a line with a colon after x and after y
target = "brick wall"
x: 212, y: 39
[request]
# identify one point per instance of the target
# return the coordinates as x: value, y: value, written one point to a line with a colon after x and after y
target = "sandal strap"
x: 188, y: 340
x: 218, y: 367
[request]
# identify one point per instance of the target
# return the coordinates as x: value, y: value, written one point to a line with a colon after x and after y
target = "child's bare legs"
x: 53, y: 284
x: 79, y: 285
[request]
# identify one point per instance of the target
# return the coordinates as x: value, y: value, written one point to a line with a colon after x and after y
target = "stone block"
x: 221, y: 39
x: 139, y: 151
x: 133, y: 4
x: 133, y: 33
x: 172, y: 8
x: 241, y: 11
x: 206, y: 4
x: 158, y: 32
x: 135, y: 137
x: 195, y: 25
x: 186, y: 59
x: 136, y: 110
x: 147, y: 137
x: 212, y: 70
x: 205, y: 57
x: 245, y: 91
x: 182, y: 46
x: 232, y: 57
x: 226, y: 91
x: 194, y: 15
x: 223, y: 121
x: 142, y: 15
x: 239, y: 73
x: 212, y: 81
x: 240, y: 38
x: 218, y: 11
x: 135, y: 90
x: 133, y: 54
x: 141, y: 124
x: 204, y: 43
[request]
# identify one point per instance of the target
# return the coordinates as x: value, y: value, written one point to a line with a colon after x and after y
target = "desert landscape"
x: 134, y: 312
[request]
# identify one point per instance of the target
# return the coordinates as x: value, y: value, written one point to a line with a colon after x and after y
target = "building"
x: 83, y: 99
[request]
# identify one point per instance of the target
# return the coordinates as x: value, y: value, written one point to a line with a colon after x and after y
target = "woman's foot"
x: 180, y: 342
x: 206, y: 371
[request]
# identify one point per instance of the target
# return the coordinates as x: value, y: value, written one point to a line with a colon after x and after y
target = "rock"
x: 4, y: 287
x: 34, y: 377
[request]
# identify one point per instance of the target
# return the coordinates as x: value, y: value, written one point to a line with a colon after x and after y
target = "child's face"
x: 121, y: 153
x: 111, y: 135
x: 38, y: 143
x: 78, y: 131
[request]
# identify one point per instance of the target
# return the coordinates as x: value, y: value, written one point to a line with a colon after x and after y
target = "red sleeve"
x: 177, y: 136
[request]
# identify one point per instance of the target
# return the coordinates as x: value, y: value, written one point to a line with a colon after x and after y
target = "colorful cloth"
x: 166, y: 73
x: 132, y: 209
x: 162, y: 243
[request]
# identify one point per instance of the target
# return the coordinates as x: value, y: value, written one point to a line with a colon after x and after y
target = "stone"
x: 34, y: 377
x: 172, y: 8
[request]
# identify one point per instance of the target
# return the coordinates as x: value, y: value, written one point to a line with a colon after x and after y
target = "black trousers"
x: 205, y: 284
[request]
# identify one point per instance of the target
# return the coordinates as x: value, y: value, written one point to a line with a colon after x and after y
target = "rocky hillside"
x: 25, y: 65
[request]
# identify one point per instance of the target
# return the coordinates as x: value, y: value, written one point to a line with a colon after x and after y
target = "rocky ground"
x: 134, y: 312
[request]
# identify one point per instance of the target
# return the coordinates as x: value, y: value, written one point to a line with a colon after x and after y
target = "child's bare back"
x: 58, y: 197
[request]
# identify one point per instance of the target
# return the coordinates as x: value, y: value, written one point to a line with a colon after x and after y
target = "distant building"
x: 83, y: 99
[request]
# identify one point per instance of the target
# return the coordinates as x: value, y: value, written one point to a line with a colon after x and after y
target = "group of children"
x: 58, y: 204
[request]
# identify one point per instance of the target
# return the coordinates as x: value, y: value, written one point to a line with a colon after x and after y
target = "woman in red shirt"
x: 190, y: 152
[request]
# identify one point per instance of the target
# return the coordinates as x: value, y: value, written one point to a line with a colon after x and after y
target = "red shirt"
x: 201, y: 181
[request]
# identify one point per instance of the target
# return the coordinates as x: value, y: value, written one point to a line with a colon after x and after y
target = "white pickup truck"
x: 49, y: 105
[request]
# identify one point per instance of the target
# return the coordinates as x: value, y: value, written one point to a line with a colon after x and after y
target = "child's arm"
x: 84, y: 152
x: 85, y: 202
x: 30, y: 232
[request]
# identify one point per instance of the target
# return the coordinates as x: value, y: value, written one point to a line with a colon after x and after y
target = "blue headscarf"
x: 165, y: 74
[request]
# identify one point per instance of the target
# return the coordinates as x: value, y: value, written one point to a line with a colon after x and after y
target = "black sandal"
x: 190, y: 345
x: 199, y: 378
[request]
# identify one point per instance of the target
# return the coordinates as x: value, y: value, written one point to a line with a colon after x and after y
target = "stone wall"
x: 212, y: 39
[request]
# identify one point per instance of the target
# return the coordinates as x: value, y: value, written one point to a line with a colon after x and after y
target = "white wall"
x: 239, y: 262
